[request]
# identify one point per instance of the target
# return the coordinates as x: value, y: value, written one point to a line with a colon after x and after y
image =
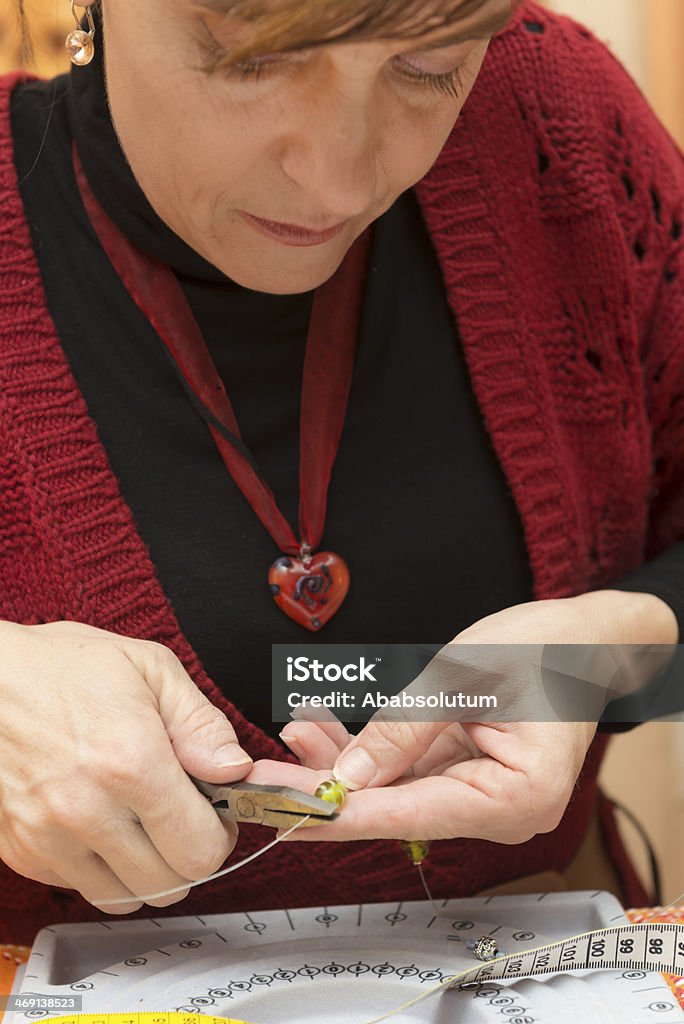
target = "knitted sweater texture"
x: 556, y: 211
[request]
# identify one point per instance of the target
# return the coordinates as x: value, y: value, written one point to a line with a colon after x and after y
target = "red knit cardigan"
x: 556, y: 213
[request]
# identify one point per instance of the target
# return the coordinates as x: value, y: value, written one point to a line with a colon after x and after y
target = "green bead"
x: 333, y: 792
x: 416, y: 849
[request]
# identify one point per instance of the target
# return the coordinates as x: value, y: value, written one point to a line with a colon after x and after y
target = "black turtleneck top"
x: 418, y: 504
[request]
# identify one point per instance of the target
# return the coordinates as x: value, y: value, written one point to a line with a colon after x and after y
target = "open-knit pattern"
x: 556, y: 212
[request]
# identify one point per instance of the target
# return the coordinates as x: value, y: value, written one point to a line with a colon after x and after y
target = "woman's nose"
x: 332, y: 156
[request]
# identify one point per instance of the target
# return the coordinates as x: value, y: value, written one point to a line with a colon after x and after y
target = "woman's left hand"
x: 503, y: 782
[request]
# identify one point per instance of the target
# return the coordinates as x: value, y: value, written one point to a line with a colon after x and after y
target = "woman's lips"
x: 292, y: 234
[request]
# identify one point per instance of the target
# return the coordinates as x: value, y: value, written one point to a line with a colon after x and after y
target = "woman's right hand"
x: 97, y: 733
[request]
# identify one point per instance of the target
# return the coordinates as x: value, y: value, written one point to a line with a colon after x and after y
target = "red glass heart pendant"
x: 309, y: 591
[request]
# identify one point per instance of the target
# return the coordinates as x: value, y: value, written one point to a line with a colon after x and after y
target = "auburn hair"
x: 279, y: 26
x: 282, y: 25
x: 26, y: 47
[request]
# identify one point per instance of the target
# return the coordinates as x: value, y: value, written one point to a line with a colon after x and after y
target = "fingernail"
x: 291, y: 740
x: 231, y: 755
x: 355, y: 769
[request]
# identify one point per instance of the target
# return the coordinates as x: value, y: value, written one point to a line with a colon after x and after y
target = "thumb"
x: 203, y: 739
x: 383, y: 751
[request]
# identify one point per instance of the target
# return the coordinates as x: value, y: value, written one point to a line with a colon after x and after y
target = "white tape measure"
x: 635, y: 947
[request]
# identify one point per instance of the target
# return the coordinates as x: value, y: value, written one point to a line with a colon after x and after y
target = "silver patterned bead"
x: 484, y: 948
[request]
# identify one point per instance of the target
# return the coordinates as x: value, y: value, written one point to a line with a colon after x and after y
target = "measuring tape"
x: 630, y: 948
x: 142, y: 1018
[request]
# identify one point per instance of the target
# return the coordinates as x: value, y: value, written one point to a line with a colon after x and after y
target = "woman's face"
x: 322, y: 139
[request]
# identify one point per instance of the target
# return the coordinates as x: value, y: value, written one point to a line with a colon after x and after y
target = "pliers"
x: 276, y: 806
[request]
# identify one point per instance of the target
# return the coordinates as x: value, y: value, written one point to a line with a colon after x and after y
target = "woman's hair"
x: 26, y: 46
x: 282, y: 25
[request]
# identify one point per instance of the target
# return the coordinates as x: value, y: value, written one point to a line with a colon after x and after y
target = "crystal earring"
x: 79, y: 44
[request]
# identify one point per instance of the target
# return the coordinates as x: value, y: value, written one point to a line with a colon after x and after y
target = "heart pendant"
x: 309, y: 592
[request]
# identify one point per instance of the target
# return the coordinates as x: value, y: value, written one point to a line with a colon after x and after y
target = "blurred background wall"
x: 645, y: 768
x: 50, y: 21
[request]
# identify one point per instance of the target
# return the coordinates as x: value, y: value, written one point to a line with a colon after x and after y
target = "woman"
x: 527, y: 247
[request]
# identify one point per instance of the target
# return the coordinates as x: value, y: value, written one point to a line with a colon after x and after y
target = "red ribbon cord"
x: 326, y: 382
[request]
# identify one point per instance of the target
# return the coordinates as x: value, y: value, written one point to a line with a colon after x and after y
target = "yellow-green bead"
x: 416, y: 849
x: 333, y: 792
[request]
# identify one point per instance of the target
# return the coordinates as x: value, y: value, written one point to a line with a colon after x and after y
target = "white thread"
x: 657, y: 911
x: 663, y: 910
x: 441, y: 986
x: 201, y: 881
x: 427, y: 890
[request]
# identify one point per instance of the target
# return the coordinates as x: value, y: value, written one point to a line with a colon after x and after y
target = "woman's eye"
x: 255, y: 67
x: 216, y: 59
x: 448, y: 82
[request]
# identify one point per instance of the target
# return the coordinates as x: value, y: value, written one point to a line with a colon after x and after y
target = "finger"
x: 527, y: 747
x: 116, y: 860
x: 140, y: 867
x: 37, y: 872
x: 96, y: 882
x: 327, y: 721
x: 451, y: 747
x: 311, y: 744
x: 383, y: 751
x: 280, y: 773
x: 182, y: 825
x: 358, y: 817
x: 203, y: 739
x: 489, y: 805
x: 50, y: 878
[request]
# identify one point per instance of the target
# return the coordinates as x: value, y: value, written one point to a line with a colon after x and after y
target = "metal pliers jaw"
x: 275, y: 806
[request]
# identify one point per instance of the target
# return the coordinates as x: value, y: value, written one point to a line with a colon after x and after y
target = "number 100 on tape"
x: 643, y: 947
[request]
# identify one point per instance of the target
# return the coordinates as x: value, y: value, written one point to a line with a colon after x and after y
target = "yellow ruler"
x: 163, y: 1017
